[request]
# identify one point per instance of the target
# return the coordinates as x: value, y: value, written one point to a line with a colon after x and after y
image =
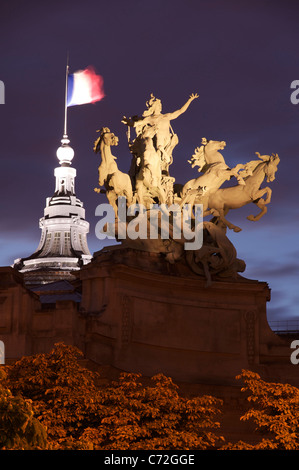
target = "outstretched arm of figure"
x: 127, y: 121
x: 136, y: 122
x: 184, y: 108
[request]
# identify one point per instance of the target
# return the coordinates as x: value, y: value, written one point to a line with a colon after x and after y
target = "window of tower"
x: 67, y: 243
x: 62, y: 186
x: 81, y: 241
x: 56, y: 243
x: 47, y: 244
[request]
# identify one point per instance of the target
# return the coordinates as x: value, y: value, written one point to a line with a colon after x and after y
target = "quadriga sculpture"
x: 149, y: 182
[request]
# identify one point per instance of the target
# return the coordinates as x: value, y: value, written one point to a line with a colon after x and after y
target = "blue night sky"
x: 239, y: 56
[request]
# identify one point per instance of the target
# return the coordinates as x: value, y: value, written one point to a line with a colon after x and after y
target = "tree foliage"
x: 134, y: 416
x: 49, y: 401
x: 123, y: 415
x: 19, y: 429
x: 275, y: 412
x: 62, y: 391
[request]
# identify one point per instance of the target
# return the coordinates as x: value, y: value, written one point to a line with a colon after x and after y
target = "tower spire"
x: 65, y: 99
x: 65, y: 153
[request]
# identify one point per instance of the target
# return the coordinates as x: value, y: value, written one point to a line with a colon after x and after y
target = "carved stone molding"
x: 126, y: 321
x: 250, y: 318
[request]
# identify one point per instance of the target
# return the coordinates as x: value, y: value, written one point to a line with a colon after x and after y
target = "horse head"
x: 207, y: 150
x: 106, y: 137
x: 213, y: 145
x: 211, y: 150
x: 271, y: 165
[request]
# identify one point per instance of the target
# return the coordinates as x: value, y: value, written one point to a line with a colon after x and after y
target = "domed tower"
x: 63, y: 247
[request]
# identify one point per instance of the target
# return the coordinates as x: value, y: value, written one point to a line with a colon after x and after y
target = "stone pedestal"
x: 142, y: 314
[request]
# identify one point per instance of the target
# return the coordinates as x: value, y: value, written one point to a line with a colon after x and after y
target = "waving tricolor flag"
x: 84, y: 86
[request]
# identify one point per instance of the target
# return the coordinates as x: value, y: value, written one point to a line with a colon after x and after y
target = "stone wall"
x: 26, y: 325
x: 139, y: 316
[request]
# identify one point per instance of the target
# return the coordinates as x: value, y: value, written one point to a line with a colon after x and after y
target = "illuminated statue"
x: 148, y: 181
x: 149, y: 184
x: 238, y: 196
x: 115, y: 181
x: 164, y: 138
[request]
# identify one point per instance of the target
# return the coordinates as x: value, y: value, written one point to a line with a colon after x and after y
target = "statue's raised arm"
x: 184, y: 108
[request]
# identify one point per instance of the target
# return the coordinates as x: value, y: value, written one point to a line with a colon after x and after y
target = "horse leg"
x: 102, y: 175
x: 112, y: 197
x: 239, y: 167
x: 231, y: 226
x: 261, y: 203
x: 128, y: 192
x: 208, y: 212
x: 269, y: 194
x: 190, y: 202
x: 239, y: 178
x: 260, y: 193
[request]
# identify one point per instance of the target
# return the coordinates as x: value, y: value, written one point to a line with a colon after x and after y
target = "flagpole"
x: 66, y: 91
x: 65, y: 153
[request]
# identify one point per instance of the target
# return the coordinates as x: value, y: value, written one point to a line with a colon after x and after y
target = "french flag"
x: 85, y: 86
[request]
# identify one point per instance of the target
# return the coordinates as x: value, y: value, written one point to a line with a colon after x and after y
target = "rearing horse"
x: 215, y: 172
x: 223, y: 200
x: 115, y: 181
